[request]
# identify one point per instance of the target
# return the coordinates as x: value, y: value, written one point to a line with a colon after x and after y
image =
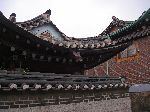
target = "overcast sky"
x: 77, y: 18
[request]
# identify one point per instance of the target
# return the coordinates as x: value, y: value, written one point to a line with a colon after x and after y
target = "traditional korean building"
x: 38, y: 45
x: 133, y: 62
x: 43, y: 69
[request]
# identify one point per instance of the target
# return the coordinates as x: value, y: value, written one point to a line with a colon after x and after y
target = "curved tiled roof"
x: 120, y: 36
x: 115, y: 23
x: 135, y: 70
x: 89, y: 52
x: 37, y: 22
x: 92, y: 42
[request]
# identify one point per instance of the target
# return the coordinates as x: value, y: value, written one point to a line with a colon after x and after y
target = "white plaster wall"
x: 48, y: 28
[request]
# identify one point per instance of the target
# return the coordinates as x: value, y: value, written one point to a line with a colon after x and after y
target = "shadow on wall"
x: 140, y: 97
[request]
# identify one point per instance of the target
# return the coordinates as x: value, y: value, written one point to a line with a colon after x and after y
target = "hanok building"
x: 37, y: 56
x: 133, y: 62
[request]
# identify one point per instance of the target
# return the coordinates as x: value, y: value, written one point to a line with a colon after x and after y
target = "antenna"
x: 107, y: 68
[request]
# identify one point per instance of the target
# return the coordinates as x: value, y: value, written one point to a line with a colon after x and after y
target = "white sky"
x: 77, y: 18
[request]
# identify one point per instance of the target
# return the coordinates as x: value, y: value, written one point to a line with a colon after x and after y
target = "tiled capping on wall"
x: 31, y: 99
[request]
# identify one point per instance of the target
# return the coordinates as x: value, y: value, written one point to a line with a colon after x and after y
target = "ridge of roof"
x: 93, y: 40
x: 39, y: 21
x: 142, y: 20
x: 111, y: 45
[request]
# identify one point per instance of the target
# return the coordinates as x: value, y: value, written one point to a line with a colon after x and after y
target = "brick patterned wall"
x: 136, y: 71
x: 65, y: 101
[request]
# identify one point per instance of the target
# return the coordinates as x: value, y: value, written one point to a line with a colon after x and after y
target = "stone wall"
x: 112, y: 105
x: 115, y: 100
